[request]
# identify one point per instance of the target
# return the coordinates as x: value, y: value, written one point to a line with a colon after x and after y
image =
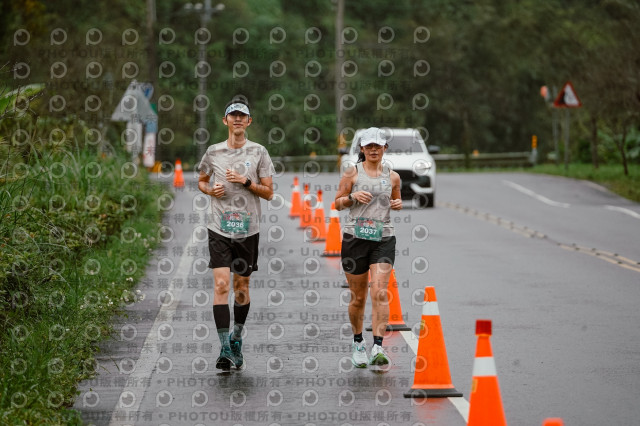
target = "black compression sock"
x: 222, y: 317
x: 240, y: 313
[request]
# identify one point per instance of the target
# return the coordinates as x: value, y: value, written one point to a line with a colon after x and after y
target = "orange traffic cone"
x: 178, y: 178
x: 318, y: 226
x: 333, y: 246
x: 485, y: 404
x: 396, y: 323
x: 305, y: 216
x: 553, y: 421
x: 296, y: 206
x: 431, y: 378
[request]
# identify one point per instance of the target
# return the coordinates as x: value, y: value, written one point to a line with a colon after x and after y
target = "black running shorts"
x: 238, y: 254
x: 357, y: 254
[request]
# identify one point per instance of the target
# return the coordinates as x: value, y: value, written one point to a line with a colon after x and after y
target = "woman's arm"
x: 396, y: 183
x: 344, y: 189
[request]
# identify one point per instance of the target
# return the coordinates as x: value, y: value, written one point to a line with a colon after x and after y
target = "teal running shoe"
x: 236, y: 352
x: 225, y: 360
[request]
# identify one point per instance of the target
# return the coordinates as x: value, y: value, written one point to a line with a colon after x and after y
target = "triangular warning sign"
x: 134, y: 104
x: 567, y: 98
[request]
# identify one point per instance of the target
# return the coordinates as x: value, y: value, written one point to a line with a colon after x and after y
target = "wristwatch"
x: 350, y: 198
x: 247, y: 183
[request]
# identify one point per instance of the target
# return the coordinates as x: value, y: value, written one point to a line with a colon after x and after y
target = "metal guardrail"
x: 503, y: 159
x: 307, y: 164
x: 329, y: 163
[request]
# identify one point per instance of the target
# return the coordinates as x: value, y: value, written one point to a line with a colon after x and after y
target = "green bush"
x: 64, y: 210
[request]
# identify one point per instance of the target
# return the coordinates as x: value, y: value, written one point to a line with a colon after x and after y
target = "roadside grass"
x: 611, y: 176
x: 76, y: 232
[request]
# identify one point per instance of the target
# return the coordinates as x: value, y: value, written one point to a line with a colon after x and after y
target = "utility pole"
x: 151, y: 42
x: 339, y: 92
x: 205, y: 11
x: 149, y: 144
x: 554, y: 128
x: 567, y: 134
x: 205, y: 17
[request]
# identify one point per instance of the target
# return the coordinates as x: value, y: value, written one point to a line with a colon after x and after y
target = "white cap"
x: 373, y: 135
x: 237, y: 107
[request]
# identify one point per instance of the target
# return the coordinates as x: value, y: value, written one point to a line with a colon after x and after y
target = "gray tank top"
x: 379, y: 206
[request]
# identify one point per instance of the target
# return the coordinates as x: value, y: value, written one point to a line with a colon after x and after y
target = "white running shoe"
x: 359, y: 354
x: 378, y: 356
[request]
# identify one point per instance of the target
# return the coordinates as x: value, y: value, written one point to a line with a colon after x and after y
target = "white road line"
x: 146, y: 363
x: 534, y: 195
x: 411, y: 340
x: 461, y: 404
x: 623, y: 210
x: 286, y: 203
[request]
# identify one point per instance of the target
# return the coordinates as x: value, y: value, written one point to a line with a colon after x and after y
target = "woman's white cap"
x: 373, y: 135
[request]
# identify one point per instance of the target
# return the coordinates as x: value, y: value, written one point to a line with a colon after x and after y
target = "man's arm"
x: 263, y: 189
x: 203, y: 185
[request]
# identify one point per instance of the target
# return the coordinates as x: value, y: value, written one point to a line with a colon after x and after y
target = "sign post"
x: 567, y: 98
x: 135, y: 109
x: 534, y: 149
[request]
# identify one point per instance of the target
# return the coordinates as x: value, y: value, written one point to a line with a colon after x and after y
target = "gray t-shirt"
x: 379, y: 206
x: 252, y: 161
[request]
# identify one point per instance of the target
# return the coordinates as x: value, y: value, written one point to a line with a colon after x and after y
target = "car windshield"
x: 405, y: 145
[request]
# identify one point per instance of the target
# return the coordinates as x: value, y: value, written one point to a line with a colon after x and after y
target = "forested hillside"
x: 468, y: 72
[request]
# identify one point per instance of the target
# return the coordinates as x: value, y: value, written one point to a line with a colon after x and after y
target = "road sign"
x: 567, y: 98
x: 147, y: 89
x: 134, y: 105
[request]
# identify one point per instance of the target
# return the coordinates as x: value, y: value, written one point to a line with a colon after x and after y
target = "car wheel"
x: 424, y: 200
x: 421, y: 200
x: 431, y: 200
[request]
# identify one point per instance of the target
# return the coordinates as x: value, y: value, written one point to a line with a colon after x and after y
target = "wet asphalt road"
x: 532, y: 253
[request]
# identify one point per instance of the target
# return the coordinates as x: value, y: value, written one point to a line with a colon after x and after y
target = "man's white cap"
x: 237, y: 107
x: 373, y: 135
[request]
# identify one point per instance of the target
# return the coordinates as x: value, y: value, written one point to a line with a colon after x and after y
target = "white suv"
x: 408, y: 156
